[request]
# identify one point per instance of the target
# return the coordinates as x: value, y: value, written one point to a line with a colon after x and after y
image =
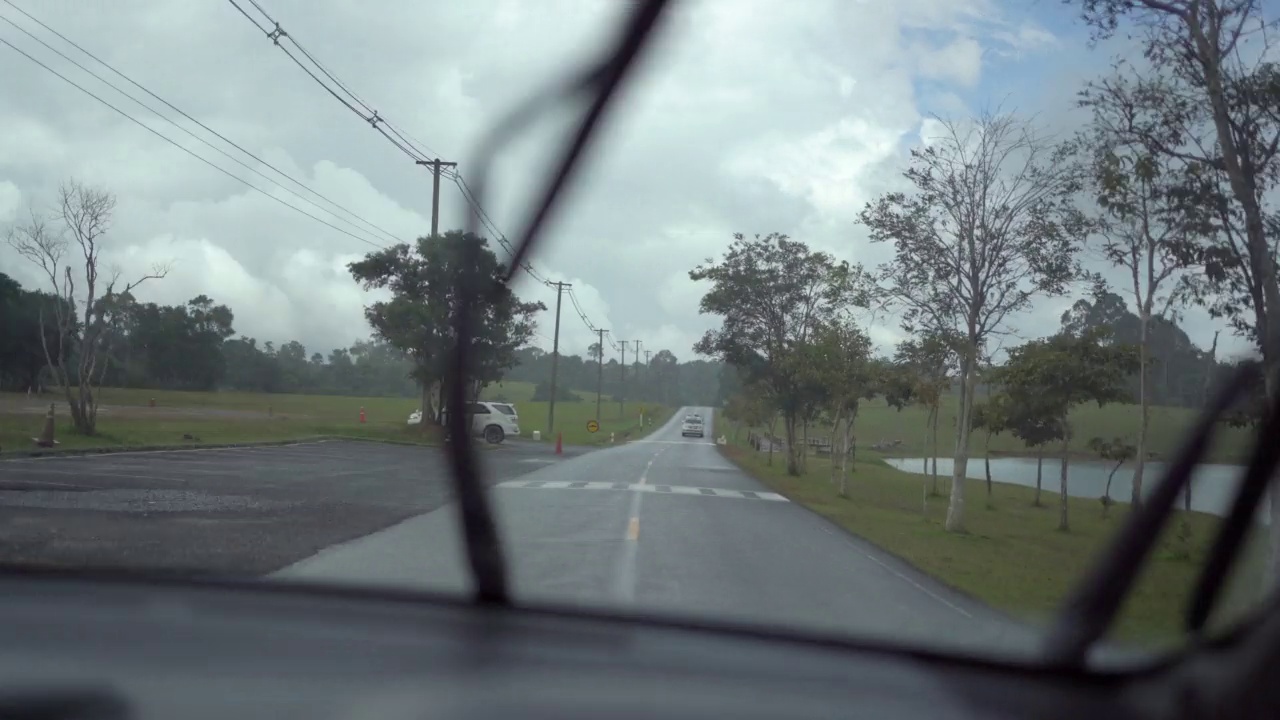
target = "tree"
x: 991, y: 225
x: 989, y: 418
x: 1210, y: 101
x: 930, y: 362
x: 1153, y: 218
x: 1033, y: 423
x: 426, y: 284
x: 1177, y: 369
x: 1055, y: 374
x: 22, y: 357
x: 85, y: 213
x: 1214, y: 102
x: 664, y: 377
x: 773, y: 293
x: 1118, y: 451
x: 842, y: 355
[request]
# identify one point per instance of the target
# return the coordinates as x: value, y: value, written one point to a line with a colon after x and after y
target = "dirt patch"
x: 39, y: 406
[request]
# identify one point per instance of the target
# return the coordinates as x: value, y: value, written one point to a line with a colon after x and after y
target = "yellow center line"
x: 633, y: 529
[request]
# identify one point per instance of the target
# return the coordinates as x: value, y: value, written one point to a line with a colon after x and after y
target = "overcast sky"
x: 751, y: 116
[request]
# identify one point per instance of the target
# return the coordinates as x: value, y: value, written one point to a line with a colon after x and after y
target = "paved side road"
x: 241, y: 511
x: 667, y: 524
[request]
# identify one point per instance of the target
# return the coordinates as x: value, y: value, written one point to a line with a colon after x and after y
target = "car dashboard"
x: 148, y: 650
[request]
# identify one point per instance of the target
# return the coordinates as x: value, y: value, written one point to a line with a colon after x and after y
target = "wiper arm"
x: 484, y: 550
x: 1093, y: 605
x: 1227, y: 545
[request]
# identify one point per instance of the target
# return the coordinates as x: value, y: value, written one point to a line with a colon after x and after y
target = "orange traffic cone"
x: 361, y: 414
x: 559, y: 443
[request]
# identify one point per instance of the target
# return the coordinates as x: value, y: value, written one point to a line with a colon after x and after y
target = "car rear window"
x: 504, y: 409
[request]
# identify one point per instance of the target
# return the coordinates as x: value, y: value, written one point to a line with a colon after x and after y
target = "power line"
x: 369, y: 115
x: 406, y: 143
x: 169, y: 140
x: 243, y: 164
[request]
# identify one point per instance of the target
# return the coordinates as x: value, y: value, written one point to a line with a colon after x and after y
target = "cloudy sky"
x: 751, y: 116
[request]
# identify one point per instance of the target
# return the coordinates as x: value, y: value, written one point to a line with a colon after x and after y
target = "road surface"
x: 667, y: 524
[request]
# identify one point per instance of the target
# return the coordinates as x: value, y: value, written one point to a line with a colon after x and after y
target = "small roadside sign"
x: 593, y: 426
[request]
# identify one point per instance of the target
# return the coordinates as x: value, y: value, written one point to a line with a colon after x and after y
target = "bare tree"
x: 991, y: 225
x: 81, y: 314
x: 1153, y: 218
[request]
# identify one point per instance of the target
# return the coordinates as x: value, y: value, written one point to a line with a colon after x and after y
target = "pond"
x: 1212, y: 486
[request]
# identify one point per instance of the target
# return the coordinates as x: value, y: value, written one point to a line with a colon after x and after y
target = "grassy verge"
x: 1012, y: 557
x: 122, y: 433
x: 129, y: 420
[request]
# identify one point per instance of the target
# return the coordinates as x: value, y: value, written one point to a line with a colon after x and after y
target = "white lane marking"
x: 640, y: 488
x: 892, y: 571
x: 625, y: 580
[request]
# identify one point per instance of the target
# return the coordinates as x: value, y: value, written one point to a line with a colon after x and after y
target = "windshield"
x: 875, y: 320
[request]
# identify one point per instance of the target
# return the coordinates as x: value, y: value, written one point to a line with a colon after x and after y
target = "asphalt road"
x: 666, y: 524
x: 237, y: 512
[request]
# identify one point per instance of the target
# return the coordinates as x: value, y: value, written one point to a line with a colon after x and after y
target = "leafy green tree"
x: 1036, y: 425
x: 931, y: 362
x: 990, y: 418
x: 1210, y: 101
x: 841, y: 354
x: 22, y: 356
x: 1116, y: 450
x: 773, y: 294
x: 426, y: 282
x: 1055, y: 374
x: 990, y: 225
x: 1154, y: 218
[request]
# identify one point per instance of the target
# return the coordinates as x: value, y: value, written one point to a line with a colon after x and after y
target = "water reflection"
x: 1212, y: 486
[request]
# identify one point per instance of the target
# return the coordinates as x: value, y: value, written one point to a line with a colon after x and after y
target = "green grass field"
x: 1012, y: 556
x: 877, y: 421
x: 572, y: 417
x: 127, y: 418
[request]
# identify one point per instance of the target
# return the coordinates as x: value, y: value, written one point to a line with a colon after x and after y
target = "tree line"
x: 87, y: 329
x: 190, y: 347
x: 662, y: 379
x: 1169, y: 184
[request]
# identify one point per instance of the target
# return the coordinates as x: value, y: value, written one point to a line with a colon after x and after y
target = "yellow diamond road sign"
x: 592, y: 426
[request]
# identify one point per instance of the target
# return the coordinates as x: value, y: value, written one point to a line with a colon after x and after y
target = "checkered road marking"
x: 657, y: 489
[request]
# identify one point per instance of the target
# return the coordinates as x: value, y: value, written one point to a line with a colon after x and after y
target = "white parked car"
x: 492, y: 421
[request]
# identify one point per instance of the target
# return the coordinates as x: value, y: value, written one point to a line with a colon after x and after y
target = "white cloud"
x: 749, y: 116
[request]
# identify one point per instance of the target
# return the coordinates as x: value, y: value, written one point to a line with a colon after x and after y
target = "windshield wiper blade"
x: 1226, y: 546
x: 1093, y: 605
x: 484, y: 550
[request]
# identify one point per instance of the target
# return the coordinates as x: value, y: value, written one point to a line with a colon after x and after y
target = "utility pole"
x: 555, y: 357
x: 648, y: 367
x: 639, y: 379
x: 622, y: 380
x: 599, y: 372
x: 435, y: 166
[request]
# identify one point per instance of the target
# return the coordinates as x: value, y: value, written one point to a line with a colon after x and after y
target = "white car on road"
x: 692, y: 426
x: 492, y: 421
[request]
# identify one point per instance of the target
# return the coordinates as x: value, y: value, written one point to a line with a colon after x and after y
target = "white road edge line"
x: 894, y: 572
